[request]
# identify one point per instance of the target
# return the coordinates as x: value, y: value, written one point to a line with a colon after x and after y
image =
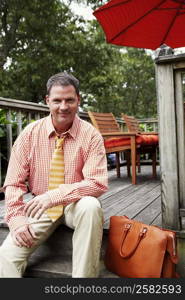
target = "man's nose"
x: 63, y: 105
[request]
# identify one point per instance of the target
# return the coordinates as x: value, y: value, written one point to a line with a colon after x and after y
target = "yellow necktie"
x: 56, y: 177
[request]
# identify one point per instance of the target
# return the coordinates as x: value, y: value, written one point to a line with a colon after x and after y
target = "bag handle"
x: 141, y: 235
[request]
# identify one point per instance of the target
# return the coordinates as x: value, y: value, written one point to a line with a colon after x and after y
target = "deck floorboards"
x: 141, y: 201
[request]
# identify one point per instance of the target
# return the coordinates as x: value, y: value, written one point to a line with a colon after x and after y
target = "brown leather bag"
x: 137, y: 250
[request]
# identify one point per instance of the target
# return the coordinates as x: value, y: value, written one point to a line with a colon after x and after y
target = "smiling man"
x: 61, y: 160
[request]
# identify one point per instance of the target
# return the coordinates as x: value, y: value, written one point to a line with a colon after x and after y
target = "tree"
x: 40, y: 45
x: 122, y: 80
x: 97, y: 69
x: 48, y: 38
x: 138, y: 89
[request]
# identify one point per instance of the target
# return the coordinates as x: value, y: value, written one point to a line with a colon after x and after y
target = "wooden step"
x: 53, y: 259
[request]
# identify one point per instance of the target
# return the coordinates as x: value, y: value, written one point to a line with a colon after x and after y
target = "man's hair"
x: 62, y: 79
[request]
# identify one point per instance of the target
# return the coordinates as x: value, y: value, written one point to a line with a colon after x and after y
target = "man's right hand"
x: 24, y: 236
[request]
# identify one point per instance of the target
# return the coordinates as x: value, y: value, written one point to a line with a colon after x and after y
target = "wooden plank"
x: 182, y: 212
x: 130, y: 205
x: 114, y: 188
x: 133, y: 158
x: 19, y: 122
x: 179, y: 65
x: 0, y: 168
x: 138, y: 202
x: 150, y: 212
x: 179, y: 101
x: 167, y: 144
x: 117, y: 185
x: 167, y: 59
x: 102, y: 115
x: 132, y: 123
x: 37, y: 116
x: 106, y: 122
x: 106, y: 128
x: 117, y: 199
x: 23, y: 105
x: 9, y: 133
x: 158, y: 220
x: 2, y: 212
x: 29, y: 117
x: 3, y: 234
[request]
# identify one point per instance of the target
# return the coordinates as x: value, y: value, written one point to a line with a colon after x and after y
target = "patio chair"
x: 149, y: 141
x: 115, y: 140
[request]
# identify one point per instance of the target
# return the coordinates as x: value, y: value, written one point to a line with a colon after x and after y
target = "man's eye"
x: 70, y: 100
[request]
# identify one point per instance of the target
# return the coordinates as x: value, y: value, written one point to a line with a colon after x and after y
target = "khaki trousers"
x: 85, y: 217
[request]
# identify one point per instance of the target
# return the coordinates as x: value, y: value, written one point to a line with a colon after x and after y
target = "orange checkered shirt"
x: 85, y: 165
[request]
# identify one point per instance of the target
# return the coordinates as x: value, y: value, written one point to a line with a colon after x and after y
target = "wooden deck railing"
x: 150, y: 124
x: 20, y: 113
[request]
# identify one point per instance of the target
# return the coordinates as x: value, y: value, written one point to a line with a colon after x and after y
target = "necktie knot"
x: 59, y: 142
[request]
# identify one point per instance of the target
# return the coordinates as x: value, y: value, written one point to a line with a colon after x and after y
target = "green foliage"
x: 3, y: 136
x: 41, y: 38
x: 138, y: 90
x: 146, y: 127
x: 3, y: 119
x: 40, y: 48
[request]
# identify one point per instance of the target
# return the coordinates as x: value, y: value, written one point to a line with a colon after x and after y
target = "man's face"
x: 63, y: 104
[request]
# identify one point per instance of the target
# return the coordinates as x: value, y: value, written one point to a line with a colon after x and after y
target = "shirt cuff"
x: 57, y: 195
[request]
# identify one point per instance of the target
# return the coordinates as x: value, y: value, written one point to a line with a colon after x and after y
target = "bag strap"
x: 126, y: 229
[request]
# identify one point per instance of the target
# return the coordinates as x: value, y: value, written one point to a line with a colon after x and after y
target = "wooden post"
x: 133, y: 158
x: 9, y: 133
x: 19, y: 122
x: 169, y: 71
x: 154, y: 127
x: 29, y: 117
x: 37, y: 116
x: 168, y: 146
x: 180, y: 135
x: 0, y: 168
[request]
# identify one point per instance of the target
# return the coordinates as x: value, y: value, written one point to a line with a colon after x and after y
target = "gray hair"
x: 63, y: 79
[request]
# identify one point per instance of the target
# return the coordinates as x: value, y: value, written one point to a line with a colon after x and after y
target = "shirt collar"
x: 72, y: 131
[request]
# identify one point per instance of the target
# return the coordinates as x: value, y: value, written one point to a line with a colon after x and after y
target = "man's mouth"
x: 63, y: 114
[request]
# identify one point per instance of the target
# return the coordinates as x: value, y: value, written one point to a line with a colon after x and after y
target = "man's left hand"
x: 36, y: 207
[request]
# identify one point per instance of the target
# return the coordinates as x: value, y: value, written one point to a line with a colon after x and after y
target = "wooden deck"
x: 53, y: 259
x: 141, y: 201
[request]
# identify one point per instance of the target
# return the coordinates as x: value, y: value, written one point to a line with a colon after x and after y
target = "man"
x: 85, y: 173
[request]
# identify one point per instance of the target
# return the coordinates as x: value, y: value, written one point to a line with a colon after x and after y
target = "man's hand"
x: 36, y: 207
x: 24, y: 236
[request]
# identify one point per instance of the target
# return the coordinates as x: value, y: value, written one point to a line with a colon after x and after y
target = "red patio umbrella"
x: 143, y: 23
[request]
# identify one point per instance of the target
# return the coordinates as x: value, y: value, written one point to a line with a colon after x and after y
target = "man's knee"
x: 89, y: 203
x: 91, y: 207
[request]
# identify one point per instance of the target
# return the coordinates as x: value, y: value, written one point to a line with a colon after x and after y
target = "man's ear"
x: 79, y: 100
x: 47, y: 99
